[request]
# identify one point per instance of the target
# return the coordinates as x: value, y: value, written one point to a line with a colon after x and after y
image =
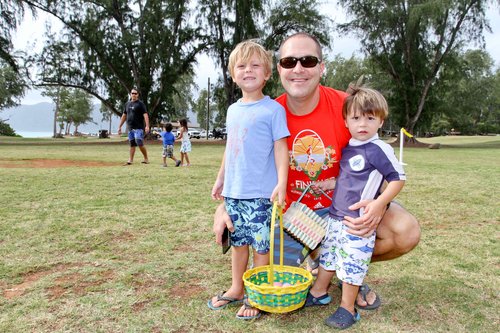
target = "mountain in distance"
x: 40, y: 118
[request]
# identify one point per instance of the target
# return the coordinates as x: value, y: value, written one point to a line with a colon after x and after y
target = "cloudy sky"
x: 31, y: 32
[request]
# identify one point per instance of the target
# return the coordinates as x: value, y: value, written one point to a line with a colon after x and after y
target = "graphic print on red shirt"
x: 315, y: 146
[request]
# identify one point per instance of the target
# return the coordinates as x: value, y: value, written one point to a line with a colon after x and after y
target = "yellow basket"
x: 259, y: 281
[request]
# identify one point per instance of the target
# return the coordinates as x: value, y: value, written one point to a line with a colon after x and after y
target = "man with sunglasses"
x: 137, y: 125
x: 317, y: 136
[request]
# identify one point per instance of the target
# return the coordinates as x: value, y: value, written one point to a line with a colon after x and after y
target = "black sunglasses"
x: 133, y: 93
x: 306, y: 62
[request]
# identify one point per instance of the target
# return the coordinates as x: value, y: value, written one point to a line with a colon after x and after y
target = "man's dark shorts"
x: 136, y: 137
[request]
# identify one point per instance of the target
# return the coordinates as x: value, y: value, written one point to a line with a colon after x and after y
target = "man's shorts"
x: 347, y: 254
x: 136, y: 137
x: 168, y: 151
x: 252, y: 222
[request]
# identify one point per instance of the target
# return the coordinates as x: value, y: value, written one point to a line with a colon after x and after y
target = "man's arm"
x: 122, y: 120
x: 146, y: 120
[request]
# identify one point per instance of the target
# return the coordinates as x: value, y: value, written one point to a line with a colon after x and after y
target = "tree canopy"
x: 11, y: 13
x: 230, y: 22
x: 12, y: 86
x: 108, y: 47
x: 411, y: 40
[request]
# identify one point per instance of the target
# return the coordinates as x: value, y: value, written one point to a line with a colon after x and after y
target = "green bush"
x: 6, y: 130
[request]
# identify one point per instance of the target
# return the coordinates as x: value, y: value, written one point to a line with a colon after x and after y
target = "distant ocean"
x: 28, y: 134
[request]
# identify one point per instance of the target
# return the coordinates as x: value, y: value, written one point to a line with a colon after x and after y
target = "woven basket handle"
x: 277, y: 210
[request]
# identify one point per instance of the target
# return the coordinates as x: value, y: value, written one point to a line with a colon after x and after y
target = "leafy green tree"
x: 57, y: 94
x: 411, y: 41
x: 72, y: 107
x: 11, y: 13
x: 229, y: 22
x: 77, y: 109
x: 6, y: 130
x: 12, y: 86
x: 108, y: 47
x: 340, y: 71
x: 200, y: 107
x: 182, y: 100
x: 468, y: 92
x: 107, y: 115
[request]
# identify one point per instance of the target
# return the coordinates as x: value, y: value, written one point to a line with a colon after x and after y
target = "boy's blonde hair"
x: 245, y: 50
x: 365, y: 100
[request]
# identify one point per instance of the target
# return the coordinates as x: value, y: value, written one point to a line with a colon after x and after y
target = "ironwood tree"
x: 411, y: 41
x: 229, y: 22
x: 107, y: 47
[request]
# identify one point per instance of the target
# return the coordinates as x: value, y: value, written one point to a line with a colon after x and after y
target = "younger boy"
x: 254, y: 168
x: 366, y: 162
x: 168, y: 145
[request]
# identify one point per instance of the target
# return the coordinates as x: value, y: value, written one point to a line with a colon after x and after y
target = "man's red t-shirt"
x: 315, y: 146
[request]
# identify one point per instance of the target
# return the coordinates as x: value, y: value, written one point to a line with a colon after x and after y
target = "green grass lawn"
x: 130, y: 249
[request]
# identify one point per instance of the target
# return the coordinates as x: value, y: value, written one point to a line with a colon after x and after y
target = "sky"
x: 30, y: 35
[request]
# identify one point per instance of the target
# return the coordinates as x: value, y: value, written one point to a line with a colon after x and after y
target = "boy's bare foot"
x: 221, y: 300
x: 248, y: 312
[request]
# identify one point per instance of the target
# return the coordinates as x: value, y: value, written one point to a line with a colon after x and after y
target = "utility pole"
x: 208, y: 106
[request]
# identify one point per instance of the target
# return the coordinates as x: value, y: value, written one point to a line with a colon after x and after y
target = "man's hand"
x: 221, y: 220
x: 120, y: 131
x: 146, y: 130
x: 365, y: 226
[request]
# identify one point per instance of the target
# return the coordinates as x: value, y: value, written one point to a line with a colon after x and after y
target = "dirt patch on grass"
x: 29, y: 279
x: 49, y: 163
x: 74, y: 282
x: 186, y: 290
x: 78, y: 283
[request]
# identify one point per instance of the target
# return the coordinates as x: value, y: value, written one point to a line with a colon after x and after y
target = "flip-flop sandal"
x: 317, y: 301
x: 247, y: 307
x: 364, y: 290
x: 127, y: 163
x: 145, y: 162
x: 342, y: 318
x: 221, y: 297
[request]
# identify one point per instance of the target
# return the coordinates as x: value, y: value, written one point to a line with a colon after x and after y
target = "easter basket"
x: 277, y: 288
x: 304, y: 224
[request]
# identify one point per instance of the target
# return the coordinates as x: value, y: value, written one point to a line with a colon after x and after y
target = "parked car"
x: 194, y: 133
x: 204, y: 134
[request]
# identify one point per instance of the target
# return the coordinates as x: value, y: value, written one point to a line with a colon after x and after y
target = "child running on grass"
x: 366, y: 162
x: 254, y: 169
x: 168, y: 145
x: 185, y: 143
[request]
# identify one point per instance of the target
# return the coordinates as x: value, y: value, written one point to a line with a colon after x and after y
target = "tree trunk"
x: 56, y: 112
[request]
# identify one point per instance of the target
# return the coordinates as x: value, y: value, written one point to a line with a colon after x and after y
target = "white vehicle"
x: 204, y: 134
x: 194, y: 133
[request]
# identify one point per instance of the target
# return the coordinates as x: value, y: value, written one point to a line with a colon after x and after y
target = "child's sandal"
x: 342, y: 319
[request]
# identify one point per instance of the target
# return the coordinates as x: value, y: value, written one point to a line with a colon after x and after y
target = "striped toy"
x: 304, y: 224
